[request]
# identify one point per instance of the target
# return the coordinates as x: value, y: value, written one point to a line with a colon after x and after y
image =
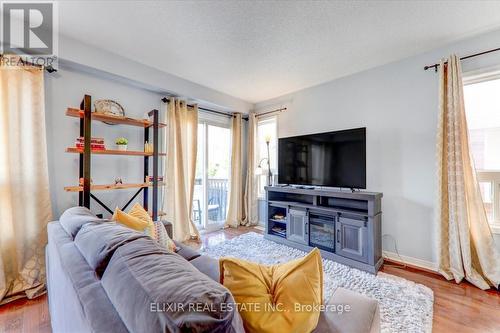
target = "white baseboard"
x: 428, y: 265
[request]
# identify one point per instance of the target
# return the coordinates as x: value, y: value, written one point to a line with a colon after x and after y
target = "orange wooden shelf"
x: 74, y: 112
x: 112, y: 152
x: 109, y: 187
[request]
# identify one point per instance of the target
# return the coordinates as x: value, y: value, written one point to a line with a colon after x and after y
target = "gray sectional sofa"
x: 103, y: 277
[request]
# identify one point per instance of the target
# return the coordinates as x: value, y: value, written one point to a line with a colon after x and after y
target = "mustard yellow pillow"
x: 142, y: 214
x: 285, y: 297
x: 139, y: 212
x: 129, y: 220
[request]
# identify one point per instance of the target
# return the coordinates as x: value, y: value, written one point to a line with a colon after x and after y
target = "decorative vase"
x: 122, y: 147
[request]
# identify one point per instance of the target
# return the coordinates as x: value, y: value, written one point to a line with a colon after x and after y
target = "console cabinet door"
x: 298, y: 226
x: 352, y: 238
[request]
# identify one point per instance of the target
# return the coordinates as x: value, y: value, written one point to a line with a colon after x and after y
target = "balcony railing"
x: 217, y: 197
x: 489, y: 183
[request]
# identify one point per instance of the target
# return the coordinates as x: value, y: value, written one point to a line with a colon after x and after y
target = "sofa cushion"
x: 77, y: 300
x: 348, y: 311
x: 208, y: 266
x: 186, y: 252
x: 74, y: 218
x: 155, y: 290
x: 98, y: 241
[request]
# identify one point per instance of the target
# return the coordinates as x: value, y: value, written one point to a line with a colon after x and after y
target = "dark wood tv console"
x: 346, y: 226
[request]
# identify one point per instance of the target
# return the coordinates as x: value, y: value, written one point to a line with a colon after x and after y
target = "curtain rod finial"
x: 435, y: 66
x: 164, y: 100
x: 50, y: 69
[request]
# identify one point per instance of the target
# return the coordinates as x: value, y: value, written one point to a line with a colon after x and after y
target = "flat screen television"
x: 335, y: 159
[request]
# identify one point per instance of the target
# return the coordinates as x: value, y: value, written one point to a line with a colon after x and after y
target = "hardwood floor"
x: 25, y: 315
x: 457, y: 308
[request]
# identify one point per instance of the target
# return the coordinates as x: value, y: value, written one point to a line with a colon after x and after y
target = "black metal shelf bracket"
x: 155, y: 115
x: 101, y: 203
x: 86, y: 105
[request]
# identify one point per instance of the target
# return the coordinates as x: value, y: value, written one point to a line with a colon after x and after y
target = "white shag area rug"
x: 405, y: 306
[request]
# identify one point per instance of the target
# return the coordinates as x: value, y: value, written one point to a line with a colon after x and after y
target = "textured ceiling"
x: 256, y: 50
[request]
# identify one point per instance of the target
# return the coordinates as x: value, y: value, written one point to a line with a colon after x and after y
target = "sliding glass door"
x: 210, y: 200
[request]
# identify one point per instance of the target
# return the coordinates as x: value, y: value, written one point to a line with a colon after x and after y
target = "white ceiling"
x: 256, y: 50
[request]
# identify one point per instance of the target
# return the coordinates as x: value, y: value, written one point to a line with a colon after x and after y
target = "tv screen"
x: 336, y: 159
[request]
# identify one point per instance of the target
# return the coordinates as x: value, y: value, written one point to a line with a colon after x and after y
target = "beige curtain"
x: 466, y: 244
x: 235, y: 211
x: 251, y: 192
x: 25, y: 207
x: 182, y: 128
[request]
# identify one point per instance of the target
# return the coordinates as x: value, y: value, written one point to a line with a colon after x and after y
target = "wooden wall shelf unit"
x: 86, y: 117
x: 73, y: 112
x: 109, y: 187
x: 112, y: 152
x: 346, y: 226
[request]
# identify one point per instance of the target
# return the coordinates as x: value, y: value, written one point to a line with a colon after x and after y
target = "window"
x: 482, y: 107
x: 213, y: 163
x: 267, y: 129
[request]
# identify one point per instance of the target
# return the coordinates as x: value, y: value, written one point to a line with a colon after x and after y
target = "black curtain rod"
x: 227, y: 114
x: 435, y: 66
x: 268, y: 112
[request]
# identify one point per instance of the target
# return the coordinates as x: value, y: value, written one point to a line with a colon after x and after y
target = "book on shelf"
x: 279, y: 231
x: 95, y: 143
x: 92, y: 146
x: 149, y: 179
x: 99, y: 141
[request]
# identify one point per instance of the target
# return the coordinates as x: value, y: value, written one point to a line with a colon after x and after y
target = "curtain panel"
x: 235, y: 213
x: 466, y: 246
x: 251, y: 191
x: 182, y: 143
x: 25, y: 207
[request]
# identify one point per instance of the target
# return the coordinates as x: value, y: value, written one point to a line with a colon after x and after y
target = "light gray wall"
x: 398, y: 104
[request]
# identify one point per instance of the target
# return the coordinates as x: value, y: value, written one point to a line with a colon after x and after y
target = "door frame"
x: 218, y: 122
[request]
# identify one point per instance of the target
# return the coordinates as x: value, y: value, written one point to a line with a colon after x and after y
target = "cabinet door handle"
x: 338, y: 235
x: 305, y: 228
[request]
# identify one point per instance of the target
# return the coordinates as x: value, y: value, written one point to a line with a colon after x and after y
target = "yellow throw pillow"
x: 142, y: 214
x: 285, y: 297
x: 129, y: 220
x: 139, y: 212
